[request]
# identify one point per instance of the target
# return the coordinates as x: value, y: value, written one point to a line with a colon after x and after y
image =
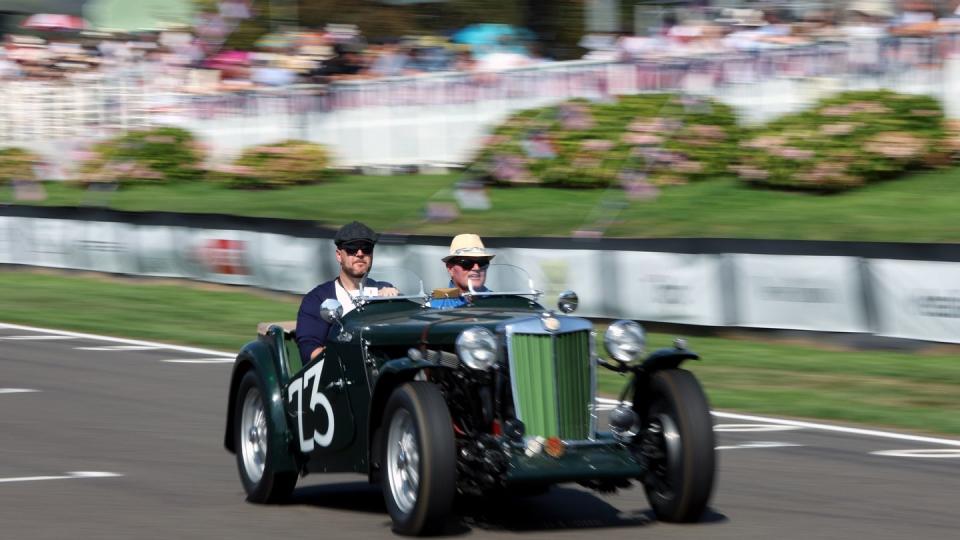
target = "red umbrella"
x: 51, y: 21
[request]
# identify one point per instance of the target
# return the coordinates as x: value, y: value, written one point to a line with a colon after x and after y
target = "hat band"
x: 471, y: 250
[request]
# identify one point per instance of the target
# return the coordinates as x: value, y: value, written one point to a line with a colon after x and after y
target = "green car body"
x: 529, y: 420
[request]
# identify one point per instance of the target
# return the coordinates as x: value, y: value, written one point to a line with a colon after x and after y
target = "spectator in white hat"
x: 467, y: 265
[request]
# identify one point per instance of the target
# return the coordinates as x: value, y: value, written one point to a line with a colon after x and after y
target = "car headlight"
x: 477, y: 348
x: 624, y: 340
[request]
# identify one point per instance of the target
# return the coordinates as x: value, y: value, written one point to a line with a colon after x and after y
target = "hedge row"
x: 842, y: 142
x: 660, y: 138
x: 168, y: 154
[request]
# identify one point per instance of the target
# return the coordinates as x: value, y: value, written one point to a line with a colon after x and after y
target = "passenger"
x: 355, y: 242
x: 467, y: 265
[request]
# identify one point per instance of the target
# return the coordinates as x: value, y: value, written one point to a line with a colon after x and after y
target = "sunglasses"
x: 468, y: 264
x: 352, y: 249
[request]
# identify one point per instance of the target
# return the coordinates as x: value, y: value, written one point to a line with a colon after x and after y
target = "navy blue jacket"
x: 312, y: 331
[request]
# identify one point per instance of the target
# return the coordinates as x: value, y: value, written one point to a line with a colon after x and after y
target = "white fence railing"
x: 440, y: 118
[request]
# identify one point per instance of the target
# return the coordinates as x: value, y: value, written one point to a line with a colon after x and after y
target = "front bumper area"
x: 594, y: 460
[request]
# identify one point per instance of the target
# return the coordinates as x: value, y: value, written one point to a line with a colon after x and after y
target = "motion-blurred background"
x: 727, y: 165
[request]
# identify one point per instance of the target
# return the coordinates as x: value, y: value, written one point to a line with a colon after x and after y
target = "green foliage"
x: 663, y: 138
x: 16, y: 164
x: 846, y: 141
x: 275, y: 165
x: 157, y: 155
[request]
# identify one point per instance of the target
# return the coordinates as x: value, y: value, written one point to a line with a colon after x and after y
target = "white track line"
x: 68, y: 476
x: 120, y: 348
x: 38, y: 337
x: 822, y: 427
x: 95, y: 337
x: 16, y: 390
x: 200, y: 361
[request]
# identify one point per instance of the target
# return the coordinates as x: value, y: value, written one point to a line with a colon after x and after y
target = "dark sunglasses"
x: 467, y: 264
x: 352, y: 249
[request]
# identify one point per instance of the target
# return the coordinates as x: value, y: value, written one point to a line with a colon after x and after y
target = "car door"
x: 318, y: 397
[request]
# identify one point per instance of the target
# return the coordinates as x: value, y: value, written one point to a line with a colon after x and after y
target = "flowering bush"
x: 661, y: 138
x: 276, y: 165
x: 846, y: 141
x: 16, y: 164
x: 157, y: 155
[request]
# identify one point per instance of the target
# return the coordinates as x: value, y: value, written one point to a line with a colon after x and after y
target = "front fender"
x: 260, y: 356
x: 393, y: 373
x: 668, y: 358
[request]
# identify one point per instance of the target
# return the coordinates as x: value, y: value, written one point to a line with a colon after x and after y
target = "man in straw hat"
x: 467, y: 265
x: 355, y: 242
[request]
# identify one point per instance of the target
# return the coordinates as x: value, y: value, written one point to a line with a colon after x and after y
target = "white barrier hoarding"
x: 42, y: 242
x: 917, y: 299
x: 284, y: 263
x: 6, y: 245
x: 665, y: 287
x: 799, y: 292
x: 221, y: 256
x: 556, y: 270
x: 102, y: 246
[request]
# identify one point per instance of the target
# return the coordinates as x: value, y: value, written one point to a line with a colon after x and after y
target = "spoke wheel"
x: 677, y: 444
x: 253, y: 435
x: 419, y: 459
x: 253, y: 431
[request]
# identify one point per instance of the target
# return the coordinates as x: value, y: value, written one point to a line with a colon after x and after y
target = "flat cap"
x: 355, y: 231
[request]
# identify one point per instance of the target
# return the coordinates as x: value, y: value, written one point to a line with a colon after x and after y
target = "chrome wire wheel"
x: 403, y: 461
x: 253, y: 435
x: 662, y: 447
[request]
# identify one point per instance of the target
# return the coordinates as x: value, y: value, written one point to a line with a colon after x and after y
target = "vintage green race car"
x: 498, y: 394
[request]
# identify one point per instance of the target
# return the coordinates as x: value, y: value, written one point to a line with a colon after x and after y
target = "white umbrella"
x: 53, y: 21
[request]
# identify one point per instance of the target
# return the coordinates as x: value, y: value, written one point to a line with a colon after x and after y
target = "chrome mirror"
x: 568, y: 301
x: 331, y: 311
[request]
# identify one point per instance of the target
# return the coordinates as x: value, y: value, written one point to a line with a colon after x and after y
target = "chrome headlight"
x: 477, y: 348
x: 624, y: 340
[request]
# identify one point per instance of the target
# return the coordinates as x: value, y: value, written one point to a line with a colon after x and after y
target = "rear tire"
x: 678, y: 443
x: 253, y: 431
x: 419, y: 472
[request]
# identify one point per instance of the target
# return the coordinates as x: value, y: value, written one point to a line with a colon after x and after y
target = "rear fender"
x: 260, y: 356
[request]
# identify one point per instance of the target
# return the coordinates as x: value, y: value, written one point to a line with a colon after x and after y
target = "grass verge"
x: 919, y: 207
x: 907, y: 391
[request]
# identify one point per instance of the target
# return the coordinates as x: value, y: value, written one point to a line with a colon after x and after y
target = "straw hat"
x: 467, y: 245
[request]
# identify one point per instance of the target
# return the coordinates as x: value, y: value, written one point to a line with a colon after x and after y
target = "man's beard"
x: 354, y: 273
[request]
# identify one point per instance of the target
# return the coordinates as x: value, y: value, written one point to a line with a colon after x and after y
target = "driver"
x: 467, y: 265
x: 355, y: 242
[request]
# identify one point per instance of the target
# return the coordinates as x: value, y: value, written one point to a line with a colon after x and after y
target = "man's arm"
x: 311, y: 329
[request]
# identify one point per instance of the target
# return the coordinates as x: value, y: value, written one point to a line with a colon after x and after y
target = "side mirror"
x: 568, y: 301
x: 331, y: 311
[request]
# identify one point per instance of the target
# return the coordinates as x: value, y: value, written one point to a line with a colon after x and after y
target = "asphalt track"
x: 105, y: 439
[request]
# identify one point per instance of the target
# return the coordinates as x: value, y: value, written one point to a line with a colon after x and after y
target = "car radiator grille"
x: 552, y: 383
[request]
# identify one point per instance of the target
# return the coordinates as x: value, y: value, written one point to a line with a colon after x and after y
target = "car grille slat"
x: 552, y: 383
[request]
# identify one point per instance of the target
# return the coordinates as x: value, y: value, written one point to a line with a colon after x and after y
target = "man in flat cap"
x: 355, y: 242
x: 467, y: 265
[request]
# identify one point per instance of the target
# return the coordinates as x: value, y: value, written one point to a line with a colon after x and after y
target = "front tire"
x: 678, y: 443
x: 419, y: 459
x: 253, y: 431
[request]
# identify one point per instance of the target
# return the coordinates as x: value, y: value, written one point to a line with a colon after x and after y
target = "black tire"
x: 678, y: 443
x: 418, y: 439
x: 253, y: 434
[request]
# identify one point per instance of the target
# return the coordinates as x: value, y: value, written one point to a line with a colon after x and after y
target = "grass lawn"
x: 921, y: 207
x: 915, y: 392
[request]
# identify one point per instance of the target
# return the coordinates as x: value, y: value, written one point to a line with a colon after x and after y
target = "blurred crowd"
x: 281, y: 58
x: 862, y: 25
x: 184, y: 59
